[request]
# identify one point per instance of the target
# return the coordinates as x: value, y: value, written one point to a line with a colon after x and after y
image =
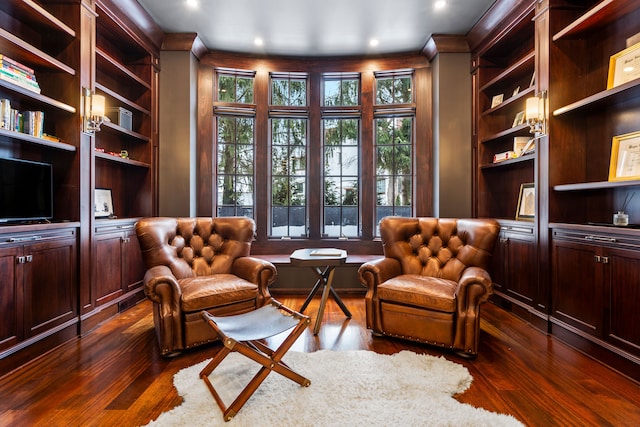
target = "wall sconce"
x: 536, y: 114
x: 94, y: 111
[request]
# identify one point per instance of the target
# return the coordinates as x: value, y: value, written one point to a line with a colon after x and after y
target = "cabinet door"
x: 107, y: 283
x: 133, y: 267
x: 521, y: 268
x: 623, y: 327
x: 10, y: 295
x: 50, y: 281
x: 578, y: 286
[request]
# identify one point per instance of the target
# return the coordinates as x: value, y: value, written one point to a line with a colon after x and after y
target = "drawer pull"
x: 600, y: 239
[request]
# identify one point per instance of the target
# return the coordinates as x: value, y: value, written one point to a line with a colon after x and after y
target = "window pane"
x: 232, y: 88
x: 341, y: 177
x: 290, y: 92
x: 350, y: 92
x: 288, y: 177
x: 394, y: 90
x: 298, y: 93
x: 279, y: 92
x: 234, y: 168
x: 394, y: 166
x: 331, y: 92
x: 341, y: 92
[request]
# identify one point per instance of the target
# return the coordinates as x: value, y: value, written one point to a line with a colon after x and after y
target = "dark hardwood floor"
x: 115, y: 376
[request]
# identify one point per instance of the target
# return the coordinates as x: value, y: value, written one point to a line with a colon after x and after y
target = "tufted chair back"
x: 193, y: 247
x: 437, y: 247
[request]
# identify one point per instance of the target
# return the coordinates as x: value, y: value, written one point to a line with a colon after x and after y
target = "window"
x: 288, y: 177
x: 341, y: 154
x: 234, y: 168
x: 289, y: 89
x: 394, y: 87
x: 341, y: 91
x: 235, y: 143
x: 237, y: 88
x: 394, y: 165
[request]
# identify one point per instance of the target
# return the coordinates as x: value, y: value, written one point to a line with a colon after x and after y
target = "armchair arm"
x: 373, y: 273
x: 153, y: 280
x: 255, y: 270
x: 475, y: 286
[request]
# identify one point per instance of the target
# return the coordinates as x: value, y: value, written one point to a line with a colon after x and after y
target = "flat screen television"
x: 26, y: 191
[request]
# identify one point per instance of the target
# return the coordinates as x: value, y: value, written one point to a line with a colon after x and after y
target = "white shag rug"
x: 348, y: 388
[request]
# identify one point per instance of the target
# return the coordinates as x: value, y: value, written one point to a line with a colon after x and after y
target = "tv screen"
x: 26, y: 190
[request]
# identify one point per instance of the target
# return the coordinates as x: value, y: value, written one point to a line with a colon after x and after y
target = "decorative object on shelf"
x: 516, y: 91
x: 518, y: 120
x: 124, y: 154
x: 506, y: 155
x: 533, y: 79
x: 94, y: 111
x: 497, y: 100
x: 526, y: 210
x: 621, y: 218
x: 519, y: 144
x: 103, y: 203
x: 624, y: 66
x: 536, y: 114
x: 121, y: 117
x: 625, y: 157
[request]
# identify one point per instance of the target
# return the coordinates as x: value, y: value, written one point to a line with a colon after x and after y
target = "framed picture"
x: 497, y: 100
x: 625, y: 157
x: 103, y: 207
x: 533, y: 79
x: 516, y: 91
x: 624, y: 66
x: 519, y: 119
x: 526, y: 210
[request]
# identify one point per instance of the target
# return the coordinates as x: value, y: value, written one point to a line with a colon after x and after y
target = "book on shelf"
x: 506, y: 155
x: 18, y: 74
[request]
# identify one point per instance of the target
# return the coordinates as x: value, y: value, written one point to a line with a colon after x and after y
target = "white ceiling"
x: 316, y: 27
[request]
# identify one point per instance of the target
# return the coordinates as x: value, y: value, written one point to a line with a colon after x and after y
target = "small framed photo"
x: 516, y: 91
x: 103, y: 207
x: 526, y: 210
x: 625, y: 157
x: 624, y: 66
x: 519, y: 119
x: 497, y: 100
x: 533, y: 79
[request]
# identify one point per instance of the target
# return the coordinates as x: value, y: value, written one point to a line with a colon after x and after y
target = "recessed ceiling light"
x: 192, y: 3
x: 373, y: 42
x: 258, y: 41
x: 439, y: 5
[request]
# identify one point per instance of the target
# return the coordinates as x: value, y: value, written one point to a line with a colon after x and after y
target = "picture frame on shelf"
x: 103, y: 203
x: 624, y: 66
x: 497, y: 100
x: 518, y: 120
x: 625, y: 157
x: 533, y: 79
x: 516, y: 91
x: 526, y: 210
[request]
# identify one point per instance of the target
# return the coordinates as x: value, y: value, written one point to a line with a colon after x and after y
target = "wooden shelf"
x: 510, y: 162
x: 519, y: 67
x: 604, y: 13
x: 22, y: 51
x: 122, y: 99
x: 119, y: 129
x: 118, y: 159
x: 509, y: 101
x: 112, y: 65
x: 28, y: 11
x: 617, y: 94
x: 520, y: 130
x: 45, y: 100
x: 35, y: 140
x: 600, y: 185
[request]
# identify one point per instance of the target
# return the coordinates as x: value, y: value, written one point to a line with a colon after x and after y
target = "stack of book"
x: 18, y: 74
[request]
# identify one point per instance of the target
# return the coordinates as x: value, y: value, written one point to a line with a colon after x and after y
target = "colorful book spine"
x: 18, y: 74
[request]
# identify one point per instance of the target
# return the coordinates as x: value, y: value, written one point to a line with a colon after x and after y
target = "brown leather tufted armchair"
x: 432, y: 280
x: 196, y: 264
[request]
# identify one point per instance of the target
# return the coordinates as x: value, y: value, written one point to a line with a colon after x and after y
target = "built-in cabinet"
x: 585, y: 288
x: 38, y: 279
x: 61, y: 277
